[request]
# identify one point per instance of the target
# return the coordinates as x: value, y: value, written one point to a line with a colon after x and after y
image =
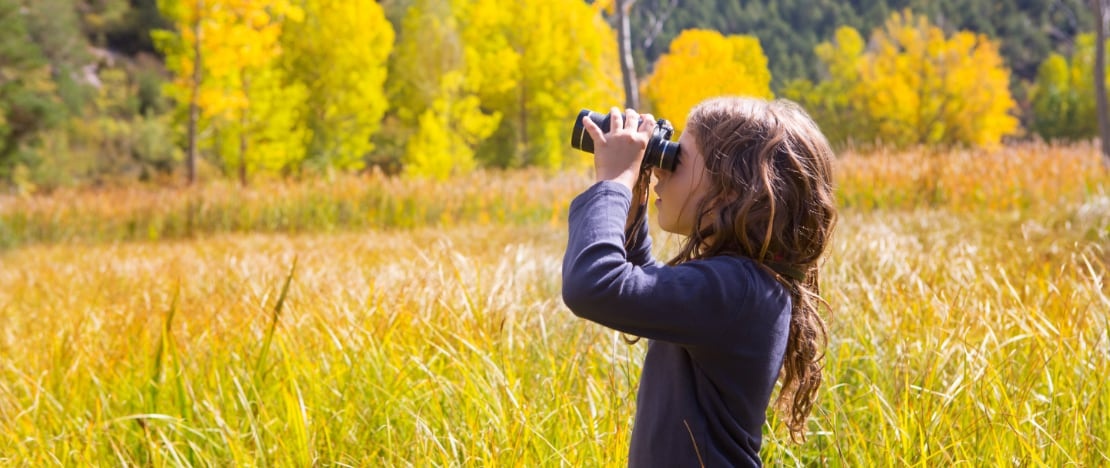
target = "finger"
x: 631, y: 119
x: 648, y: 122
x: 592, y: 129
x: 616, y: 119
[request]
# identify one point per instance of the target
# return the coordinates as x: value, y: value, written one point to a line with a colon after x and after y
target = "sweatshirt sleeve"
x: 695, y: 303
x: 640, y: 253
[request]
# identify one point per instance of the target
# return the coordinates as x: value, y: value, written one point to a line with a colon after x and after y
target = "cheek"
x: 693, y: 201
x: 693, y: 191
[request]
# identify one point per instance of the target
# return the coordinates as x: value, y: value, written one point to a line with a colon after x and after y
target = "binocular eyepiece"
x: 661, y: 152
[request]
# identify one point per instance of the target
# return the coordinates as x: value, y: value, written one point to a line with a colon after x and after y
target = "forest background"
x: 102, y: 91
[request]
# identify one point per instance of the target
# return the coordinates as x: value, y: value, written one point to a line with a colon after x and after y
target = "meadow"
x: 373, y: 321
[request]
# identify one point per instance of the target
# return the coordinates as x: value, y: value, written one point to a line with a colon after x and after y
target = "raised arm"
x: 701, y: 302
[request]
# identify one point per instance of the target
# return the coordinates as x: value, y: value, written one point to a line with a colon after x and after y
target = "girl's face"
x: 680, y: 191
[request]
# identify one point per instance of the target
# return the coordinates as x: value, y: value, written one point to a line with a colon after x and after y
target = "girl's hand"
x: 619, y: 152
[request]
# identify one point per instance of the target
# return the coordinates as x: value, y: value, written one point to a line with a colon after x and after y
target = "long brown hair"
x: 770, y: 198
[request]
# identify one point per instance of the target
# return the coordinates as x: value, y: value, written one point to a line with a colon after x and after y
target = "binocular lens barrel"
x: 660, y: 152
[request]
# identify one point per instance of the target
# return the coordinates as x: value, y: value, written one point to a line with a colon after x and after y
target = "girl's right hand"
x: 619, y: 152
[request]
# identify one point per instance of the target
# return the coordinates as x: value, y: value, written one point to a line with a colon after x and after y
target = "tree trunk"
x: 624, y: 43
x: 244, y: 125
x: 523, y: 156
x: 194, y: 106
x: 1100, y: 10
x: 243, y: 153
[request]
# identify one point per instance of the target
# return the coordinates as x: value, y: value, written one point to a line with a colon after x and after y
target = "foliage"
x: 835, y: 100
x: 251, y: 103
x: 447, y: 132
x: 28, y: 100
x: 284, y: 84
x: 703, y: 64
x: 300, y: 85
x: 250, y: 109
x: 339, y: 53
x: 435, y: 91
x: 56, y: 28
x: 128, y: 32
x: 111, y: 142
x: 1027, y: 31
x: 930, y: 89
x: 913, y: 86
x: 101, y: 17
x: 496, y: 84
x: 263, y: 129
x: 541, y: 62
x: 1063, y: 96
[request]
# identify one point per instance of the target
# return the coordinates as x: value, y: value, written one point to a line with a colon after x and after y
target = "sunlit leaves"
x: 281, y: 81
x: 1063, y: 97
x: 448, y: 131
x: 541, y: 61
x: 483, y: 82
x: 834, y: 101
x: 701, y: 64
x: 339, y: 54
x: 435, y: 91
x: 912, y: 85
x: 929, y: 89
x: 249, y: 108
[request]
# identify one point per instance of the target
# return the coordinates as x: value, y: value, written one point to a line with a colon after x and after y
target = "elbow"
x: 580, y: 297
x: 573, y: 296
x: 592, y: 285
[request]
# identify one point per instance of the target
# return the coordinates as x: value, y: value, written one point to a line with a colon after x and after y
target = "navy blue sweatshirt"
x: 717, y: 331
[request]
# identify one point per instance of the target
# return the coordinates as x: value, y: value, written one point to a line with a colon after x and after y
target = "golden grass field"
x: 371, y: 321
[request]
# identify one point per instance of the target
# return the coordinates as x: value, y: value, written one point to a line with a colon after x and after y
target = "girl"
x: 752, y: 193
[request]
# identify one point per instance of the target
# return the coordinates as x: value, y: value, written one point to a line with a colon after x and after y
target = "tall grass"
x: 1025, y: 178
x: 1014, y: 179
x: 340, y: 202
x: 969, y: 324
x: 419, y: 347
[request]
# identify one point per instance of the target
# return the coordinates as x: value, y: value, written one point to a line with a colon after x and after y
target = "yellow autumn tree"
x: 834, y: 101
x: 339, y: 52
x: 435, y: 92
x: 926, y: 88
x: 540, y: 62
x: 248, y: 108
x: 701, y: 64
x: 254, y: 105
x: 913, y: 85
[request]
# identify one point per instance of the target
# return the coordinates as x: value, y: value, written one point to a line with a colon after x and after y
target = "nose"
x: 659, y: 173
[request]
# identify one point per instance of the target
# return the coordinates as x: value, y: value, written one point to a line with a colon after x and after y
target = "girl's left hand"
x: 619, y: 152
